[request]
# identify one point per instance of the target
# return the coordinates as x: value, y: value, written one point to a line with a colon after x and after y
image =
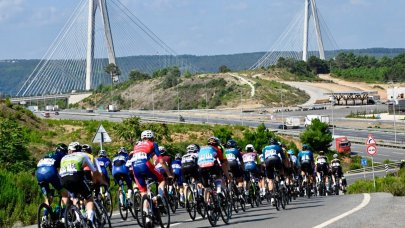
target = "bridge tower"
x: 311, y: 9
x: 93, y: 6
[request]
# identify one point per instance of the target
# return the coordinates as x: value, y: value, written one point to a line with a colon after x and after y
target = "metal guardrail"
x: 354, y: 140
x: 376, y: 168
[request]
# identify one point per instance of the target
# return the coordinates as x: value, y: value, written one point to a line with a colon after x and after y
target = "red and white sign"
x: 372, y: 150
x: 370, y: 140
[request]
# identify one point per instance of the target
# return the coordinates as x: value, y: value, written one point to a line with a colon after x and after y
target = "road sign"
x: 363, y: 162
x: 101, y: 136
x: 370, y: 140
x: 372, y: 150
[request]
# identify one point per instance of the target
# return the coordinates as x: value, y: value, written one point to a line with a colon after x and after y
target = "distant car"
x: 282, y: 126
x: 46, y: 114
x: 89, y: 110
x: 56, y: 113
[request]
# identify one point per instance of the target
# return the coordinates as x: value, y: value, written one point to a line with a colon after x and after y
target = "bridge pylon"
x: 311, y: 9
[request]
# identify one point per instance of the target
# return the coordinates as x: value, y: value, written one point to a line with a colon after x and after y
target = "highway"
x: 375, y: 209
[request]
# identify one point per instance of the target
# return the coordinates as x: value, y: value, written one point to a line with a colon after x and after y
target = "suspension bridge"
x: 103, y: 32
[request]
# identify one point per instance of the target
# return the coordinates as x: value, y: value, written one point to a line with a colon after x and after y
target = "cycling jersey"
x: 105, y: 163
x: 158, y: 166
x: 250, y: 160
x: 176, y: 167
x: 142, y: 165
x: 189, y: 166
x: 233, y: 156
x: 273, y: 151
x: 321, y: 159
x: 207, y: 156
x: 47, y: 172
x: 305, y: 157
x: 75, y: 163
x: 335, y: 163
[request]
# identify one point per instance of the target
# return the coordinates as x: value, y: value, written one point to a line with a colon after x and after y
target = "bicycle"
x: 124, y: 204
x: 253, y: 192
x: 157, y: 207
x: 172, y: 195
x: 280, y: 193
x: 321, y: 185
x: 75, y: 214
x: 48, y: 216
x: 194, y: 202
x: 236, y: 196
x: 104, y: 195
x: 217, y: 205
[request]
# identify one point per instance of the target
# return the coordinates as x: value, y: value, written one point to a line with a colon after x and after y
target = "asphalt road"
x: 306, y: 213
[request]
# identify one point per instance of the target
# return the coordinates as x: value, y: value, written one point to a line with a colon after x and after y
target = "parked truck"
x: 322, y: 118
x: 343, y: 145
x: 293, y: 122
x: 113, y: 108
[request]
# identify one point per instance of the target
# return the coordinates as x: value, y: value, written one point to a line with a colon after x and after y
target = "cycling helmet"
x: 198, y: 147
x: 213, y: 141
x: 273, y: 141
x: 231, y: 144
x: 178, y: 156
x: 102, y: 153
x: 148, y: 134
x: 86, y: 148
x: 321, y: 152
x: 122, y: 150
x: 192, y: 148
x: 335, y: 156
x: 74, y: 147
x: 305, y: 147
x: 290, y: 151
x: 162, y: 150
x: 61, y: 148
x: 249, y: 148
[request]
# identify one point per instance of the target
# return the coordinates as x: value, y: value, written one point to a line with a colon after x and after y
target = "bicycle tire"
x: 190, y: 203
x: 212, y: 213
x: 225, y: 207
x: 163, y: 209
x: 71, y: 213
x: 109, y: 202
x: 48, y: 222
x: 101, y: 217
x: 145, y: 214
x: 121, y: 205
x: 137, y: 208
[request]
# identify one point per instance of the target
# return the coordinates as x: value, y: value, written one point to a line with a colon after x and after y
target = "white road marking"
x: 364, y: 203
x: 179, y: 223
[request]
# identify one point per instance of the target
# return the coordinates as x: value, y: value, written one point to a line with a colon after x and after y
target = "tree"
x: 317, y: 136
x: 223, y: 133
x: 317, y: 65
x: 259, y: 138
x: 135, y: 75
x: 129, y: 130
x: 113, y: 71
x: 224, y: 69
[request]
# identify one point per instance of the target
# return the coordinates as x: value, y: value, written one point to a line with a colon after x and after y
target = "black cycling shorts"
x: 271, y: 164
x: 190, y: 171
x: 76, y: 184
x: 236, y: 170
x: 323, y: 168
x: 337, y: 170
x: 208, y: 172
x: 307, y: 168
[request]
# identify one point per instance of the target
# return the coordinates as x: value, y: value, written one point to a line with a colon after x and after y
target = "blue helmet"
x: 290, y: 151
x: 305, y: 147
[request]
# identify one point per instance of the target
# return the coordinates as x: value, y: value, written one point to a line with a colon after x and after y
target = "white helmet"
x: 102, y: 153
x: 73, y: 146
x: 191, y: 149
x: 162, y: 150
x: 335, y: 156
x: 148, y: 134
x: 249, y: 146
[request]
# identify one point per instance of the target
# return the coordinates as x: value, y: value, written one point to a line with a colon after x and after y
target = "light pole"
x: 393, y: 106
x: 282, y: 107
x: 241, y: 107
x: 333, y: 121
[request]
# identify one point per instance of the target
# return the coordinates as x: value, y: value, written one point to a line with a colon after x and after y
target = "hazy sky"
x: 206, y: 27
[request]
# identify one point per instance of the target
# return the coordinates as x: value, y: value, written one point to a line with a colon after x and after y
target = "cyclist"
x: 262, y: 171
x: 142, y: 166
x: 189, y: 165
x: 306, y: 163
x: 251, y: 162
x: 165, y: 157
x: 121, y: 171
x: 322, y: 165
x: 207, y: 161
x: 73, y: 177
x: 235, y: 161
x: 274, y: 157
x: 87, y: 149
x: 337, y: 169
x: 176, y: 168
x: 105, y: 163
x: 47, y: 172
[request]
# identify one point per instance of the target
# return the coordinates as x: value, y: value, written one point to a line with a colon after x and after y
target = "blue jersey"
x: 207, y: 156
x: 105, y: 163
x: 119, y: 164
x: 305, y: 156
x: 272, y: 151
x: 51, y: 160
x: 233, y: 155
x: 176, y: 167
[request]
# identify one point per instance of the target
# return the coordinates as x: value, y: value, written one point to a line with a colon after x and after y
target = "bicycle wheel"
x: 277, y: 202
x: 163, y: 212
x: 108, y: 203
x: 234, y: 198
x: 137, y: 208
x: 101, y: 218
x: 122, y: 207
x: 44, y: 215
x: 225, y: 207
x: 283, y: 199
x: 146, y: 213
x: 251, y: 197
x: 242, y: 203
x: 212, y: 213
x: 337, y: 186
x: 73, y: 217
x: 171, y: 200
x: 190, y: 203
x: 200, y: 206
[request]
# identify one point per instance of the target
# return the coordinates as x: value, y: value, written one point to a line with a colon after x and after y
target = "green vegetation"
x: 224, y: 69
x: 368, y: 68
x: 392, y: 184
x: 317, y: 136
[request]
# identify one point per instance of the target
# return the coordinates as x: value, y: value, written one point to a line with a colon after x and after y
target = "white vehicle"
x: 113, y: 108
x: 49, y: 108
x: 322, y: 118
x: 55, y: 108
x: 293, y: 122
